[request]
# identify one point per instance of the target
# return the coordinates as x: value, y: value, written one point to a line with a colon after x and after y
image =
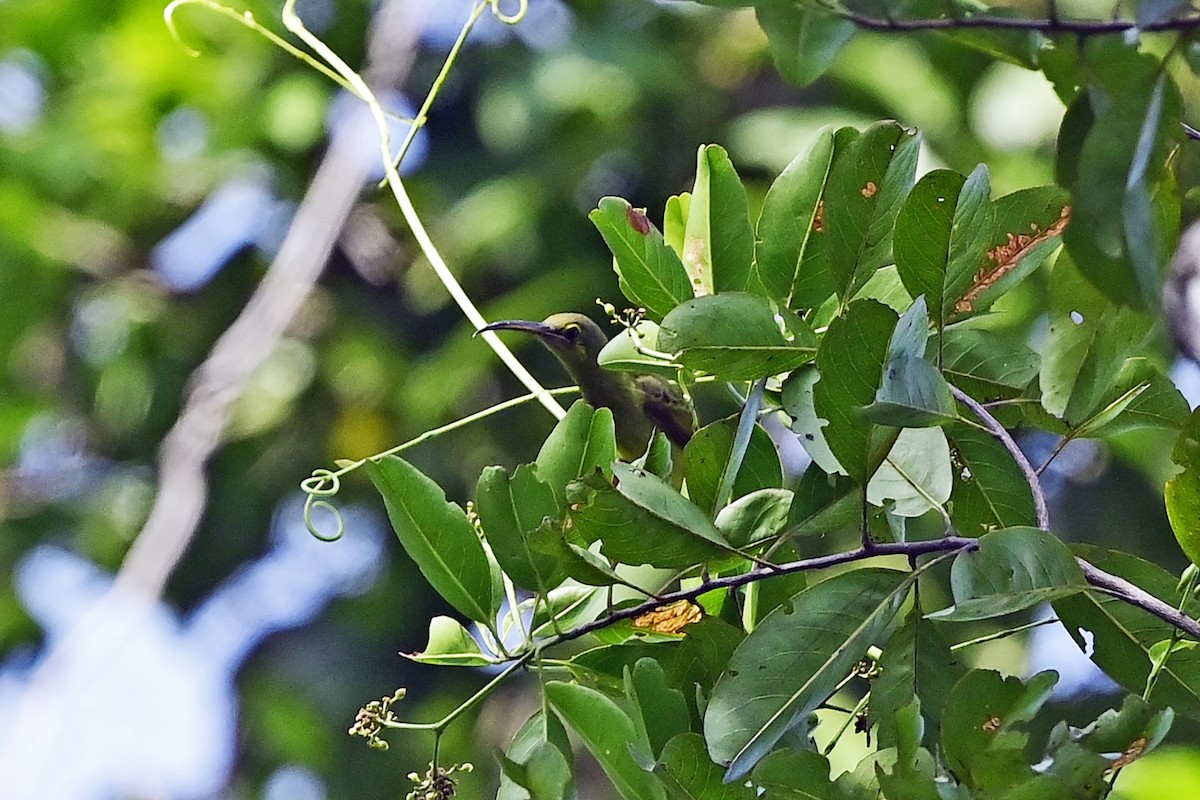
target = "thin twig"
x: 1035, y: 486
x: 947, y: 544
x: 1106, y: 582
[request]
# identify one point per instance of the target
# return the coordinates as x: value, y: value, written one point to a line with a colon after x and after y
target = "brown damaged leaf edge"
x: 1005, y: 257
x: 818, y: 222
x: 870, y: 189
x: 638, y: 220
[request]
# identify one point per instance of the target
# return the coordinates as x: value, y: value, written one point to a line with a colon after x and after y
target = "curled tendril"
x: 513, y: 18
x: 323, y: 483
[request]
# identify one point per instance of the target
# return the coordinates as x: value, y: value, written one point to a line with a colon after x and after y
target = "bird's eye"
x: 571, y: 331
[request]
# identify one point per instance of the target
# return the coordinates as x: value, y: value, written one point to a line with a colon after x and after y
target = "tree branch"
x: 1051, y: 25
x: 1106, y: 582
x: 910, y: 549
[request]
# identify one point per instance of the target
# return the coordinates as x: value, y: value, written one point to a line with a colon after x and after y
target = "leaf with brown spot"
x: 1028, y: 227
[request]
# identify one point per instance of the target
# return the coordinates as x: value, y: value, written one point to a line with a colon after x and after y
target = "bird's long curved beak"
x: 539, y: 329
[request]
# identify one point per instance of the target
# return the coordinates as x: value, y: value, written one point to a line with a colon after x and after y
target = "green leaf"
x: 755, y: 516
x: 542, y: 774
x: 912, y: 392
x: 794, y: 660
x: 1182, y: 493
x: 851, y: 360
x: 643, y: 520
x: 610, y: 735
x: 510, y: 510
x: 718, y: 243
x: 437, y: 535
x: 1139, y: 397
x: 708, y: 452
x: 1086, y: 346
x: 907, y: 771
x: 663, y: 710
x: 1119, y: 637
x: 824, y: 504
x: 790, y: 251
x: 1125, y: 209
x: 768, y: 594
x: 1027, y: 227
x: 987, y: 365
x: 990, y: 491
x: 916, y: 662
x: 942, y: 231
x: 983, y: 727
x: 803, y: 40
x: 582, y: 442
x: 624, y: 354
x: 571, y: 606
x: 916, y: 473
x: 689, y: 774
x: 675, y: 219
x: 737, y: 336
x: 804, y: 775
x: 1013, y: 569
x: 450, y: 645
x: 865, y: 190
x: 652, y: 275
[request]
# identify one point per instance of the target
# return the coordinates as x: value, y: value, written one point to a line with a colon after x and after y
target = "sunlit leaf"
x: 652, y: 275
x: 737, y: 336
x: 437, y: 535
x: 718, y: 243
x: 916, y: 473
x: 1182, y: 493
x: 449, y: 645
x: 582, y: 442
x: 609, y: 735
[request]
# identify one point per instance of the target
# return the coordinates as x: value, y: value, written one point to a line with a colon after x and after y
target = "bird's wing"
x: 663, y: 404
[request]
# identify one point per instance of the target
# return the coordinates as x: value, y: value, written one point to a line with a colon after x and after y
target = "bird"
x: 640, y: 403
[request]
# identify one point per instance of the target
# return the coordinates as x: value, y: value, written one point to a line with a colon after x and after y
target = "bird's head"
x: 574, y: 338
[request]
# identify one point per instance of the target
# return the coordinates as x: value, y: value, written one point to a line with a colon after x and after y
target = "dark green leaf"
x: 824, y: 504
x: 707, y: 453
x: 865, y: 190
x: 582, y: 442
x: 663, y: 709
x: 1013, y: 569
x: 851, y: 360
x: 652, y: 275
x: 764, y: 596
x: 942, y: 231
x: 804, y: 775
x: 642, y: 520
x: 790, y: 249
x: 737, y: 336
x: 907, y: 771
x: 510, y: 510
x: 1182, y: 494
x: 1119, y: 637
x: 437, y: 535
x: 718, y: 243
x: 539, y: 731
x: 912, y: 393
x: 755, y: 516
x: 1026, y: 228
x: 610, y: 735
x: 916, y: 662
x: 794, y: 660
x: 983, y: 727
x: 990, y: 491
x: 987, y: 365
x: 803, y: 39
x: 689, y: 774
